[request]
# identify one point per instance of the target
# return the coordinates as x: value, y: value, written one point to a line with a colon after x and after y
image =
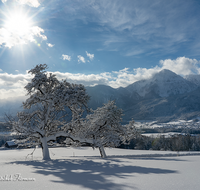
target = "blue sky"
x: 111, y: 42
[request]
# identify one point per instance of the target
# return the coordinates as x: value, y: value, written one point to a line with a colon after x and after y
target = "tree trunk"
x: 102, y: 152
x: 45, y: 149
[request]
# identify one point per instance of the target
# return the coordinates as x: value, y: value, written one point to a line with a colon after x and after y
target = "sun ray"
x: 18, y: 23
x: 19, y: 28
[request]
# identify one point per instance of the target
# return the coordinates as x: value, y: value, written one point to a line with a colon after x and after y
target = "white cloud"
x: 19, y: 29
x: 81, y: 59
x: 87, y: 80
x: 37, y: 31
x: 115, y: 79
x: 91, y: 56
x: 66, y: 57
x: 50, y: 45
x: 10, y: 39
x: 7, y: 94
x: 181, y: 65
x: 1, y: 70
x: 13, y: 85
x: 32, y: 3
x: 125, y: 77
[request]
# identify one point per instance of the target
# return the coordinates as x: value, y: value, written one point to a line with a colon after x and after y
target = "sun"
x: 18, y: 23
x: 19, y: 28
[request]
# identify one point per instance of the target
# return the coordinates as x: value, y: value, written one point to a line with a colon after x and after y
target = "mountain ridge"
x: 164, y: 83
x: 165, y: 96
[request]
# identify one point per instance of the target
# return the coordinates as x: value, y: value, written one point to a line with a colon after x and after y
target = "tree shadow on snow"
x: 90, y: 173
x: 147, y: 157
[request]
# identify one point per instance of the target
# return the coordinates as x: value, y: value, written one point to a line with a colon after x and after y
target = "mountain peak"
x: 163, y: 84
x: 165, y: 73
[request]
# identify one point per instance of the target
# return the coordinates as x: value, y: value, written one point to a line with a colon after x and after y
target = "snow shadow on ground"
x: 93, y: 174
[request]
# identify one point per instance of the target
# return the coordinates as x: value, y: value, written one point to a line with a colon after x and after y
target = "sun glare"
x: 19, y: 28
x: 18, y: 23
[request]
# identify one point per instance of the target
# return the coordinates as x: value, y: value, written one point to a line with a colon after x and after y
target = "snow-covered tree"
x: 46, y: 108
x: 51, y: 103
x: 103, y: 127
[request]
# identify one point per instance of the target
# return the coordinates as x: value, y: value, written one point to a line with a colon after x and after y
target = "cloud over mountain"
x: 10, y: 83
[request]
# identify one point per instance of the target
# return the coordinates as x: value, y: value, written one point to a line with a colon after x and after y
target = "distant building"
x: 10, y: 144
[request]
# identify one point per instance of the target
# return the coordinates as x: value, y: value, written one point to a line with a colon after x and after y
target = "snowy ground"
x: 82, y: 168
x: 195, y: 124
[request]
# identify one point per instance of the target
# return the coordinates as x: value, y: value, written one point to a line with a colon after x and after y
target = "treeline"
x: 2, y: 141
x: 3, y: 137
x: 174, y: 143
x: 189, y: 130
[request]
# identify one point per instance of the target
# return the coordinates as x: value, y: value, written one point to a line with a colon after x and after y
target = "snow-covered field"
x: 195, y: 124
x: 82, y: 168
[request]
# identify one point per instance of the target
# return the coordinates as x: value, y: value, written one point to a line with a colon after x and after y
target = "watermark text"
x: 15, y: 177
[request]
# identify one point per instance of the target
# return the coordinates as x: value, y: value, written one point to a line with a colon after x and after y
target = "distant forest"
x: 179, y: 142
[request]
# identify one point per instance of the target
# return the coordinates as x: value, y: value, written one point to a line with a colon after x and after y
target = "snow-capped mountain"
x: 164, y: 84
x: 165, y: 96
x: 194, y: 79
x: 10, y: 106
